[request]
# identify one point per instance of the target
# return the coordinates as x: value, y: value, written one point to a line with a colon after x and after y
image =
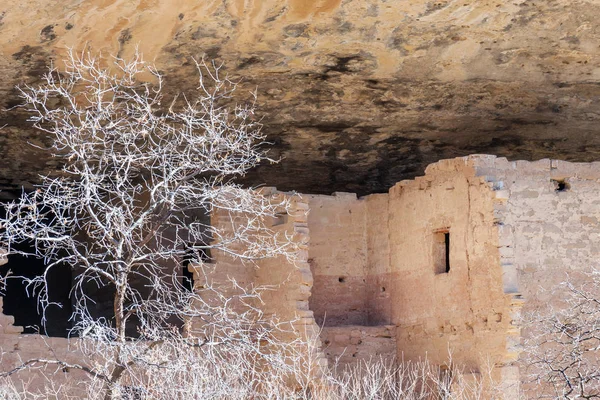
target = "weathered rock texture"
x: 355, y: 94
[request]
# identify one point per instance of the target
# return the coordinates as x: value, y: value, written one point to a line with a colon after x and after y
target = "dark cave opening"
x: 21, y: 297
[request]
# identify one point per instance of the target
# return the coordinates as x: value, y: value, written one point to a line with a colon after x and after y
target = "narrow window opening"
x: 341, y: 279
x: 561, y: 185
x: 447, y: 251
x: 441, y: 251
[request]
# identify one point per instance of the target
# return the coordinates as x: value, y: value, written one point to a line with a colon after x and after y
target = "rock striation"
x: 355, y: 95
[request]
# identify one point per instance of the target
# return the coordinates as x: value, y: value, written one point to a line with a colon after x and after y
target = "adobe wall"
x: 15, y: 348
x: 551, y: 232
x: 338, y: 258
x: 345, y: 345
x: 466, y: 310
x: 284, y: 284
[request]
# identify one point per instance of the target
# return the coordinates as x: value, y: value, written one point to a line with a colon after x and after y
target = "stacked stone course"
x: 345, y: 345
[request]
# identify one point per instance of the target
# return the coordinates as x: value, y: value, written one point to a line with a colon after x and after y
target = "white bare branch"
x: 141, y: 176
x: 562, y: 352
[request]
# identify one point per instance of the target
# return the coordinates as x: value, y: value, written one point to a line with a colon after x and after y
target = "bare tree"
x: 141, y: 176
x: 562, y: 352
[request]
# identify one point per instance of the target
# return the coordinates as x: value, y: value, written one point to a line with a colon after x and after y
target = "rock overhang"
x: 354, y: 95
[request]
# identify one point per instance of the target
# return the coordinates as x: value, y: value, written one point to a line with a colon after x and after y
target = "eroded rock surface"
x: 355, y: 94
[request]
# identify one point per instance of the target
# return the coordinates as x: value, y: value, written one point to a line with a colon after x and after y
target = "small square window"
x: 441, y: 251
x: 561, y: 185
x: 280, y: 219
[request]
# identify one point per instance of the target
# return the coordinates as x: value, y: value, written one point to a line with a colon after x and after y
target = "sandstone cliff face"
x: 355, y: 94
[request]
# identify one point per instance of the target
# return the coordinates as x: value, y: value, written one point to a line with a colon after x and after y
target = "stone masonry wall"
x: 378, y: 273
x: 338, y: 258
x: 551, y: 225
x: 285, y: 284
x: 464, y: 311
x: 344, y: 345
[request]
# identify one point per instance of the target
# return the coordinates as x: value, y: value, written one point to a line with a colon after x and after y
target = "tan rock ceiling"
x: 355, y: 94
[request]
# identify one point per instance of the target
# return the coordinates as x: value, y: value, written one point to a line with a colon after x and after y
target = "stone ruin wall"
x: 376, y: 291
x: 551, y: 231
x: 289, y: 287
x: 515, y: 233
x: 464, y: 311
x: 368, y: 274
x: 286, y: 284
x: 348, y: 259
x: 291, y: 282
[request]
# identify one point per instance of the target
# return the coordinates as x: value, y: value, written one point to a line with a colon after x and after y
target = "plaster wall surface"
x: 378, y: 272
x: 345, y: 345
x: 338, y: 259
x: 550, y: 226
x: 464, y: 311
